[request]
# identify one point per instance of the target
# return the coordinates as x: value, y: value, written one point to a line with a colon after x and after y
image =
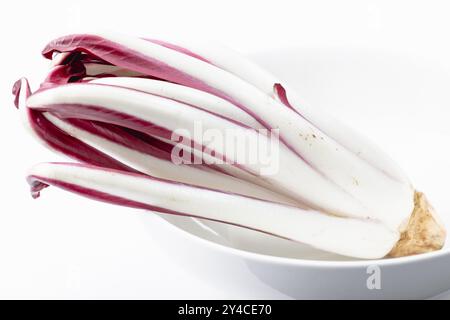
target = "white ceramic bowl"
x: 403, y: 104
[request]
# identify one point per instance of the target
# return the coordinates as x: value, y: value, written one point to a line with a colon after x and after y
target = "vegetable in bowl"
x: 115, y: 104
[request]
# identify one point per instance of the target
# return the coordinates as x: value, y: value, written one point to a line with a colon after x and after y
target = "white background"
x: 63, y: 246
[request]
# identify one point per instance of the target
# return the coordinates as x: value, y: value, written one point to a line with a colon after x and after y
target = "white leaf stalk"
x: 307, y: 226
x: 115, y: 102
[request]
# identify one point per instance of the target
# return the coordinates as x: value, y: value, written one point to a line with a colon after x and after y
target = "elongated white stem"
x: 165, y: 169
x: 170, y: 116
x: 187, y: 95
x: 307, y: 226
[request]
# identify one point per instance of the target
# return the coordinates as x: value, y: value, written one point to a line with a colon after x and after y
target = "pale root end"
x: 424, y: 232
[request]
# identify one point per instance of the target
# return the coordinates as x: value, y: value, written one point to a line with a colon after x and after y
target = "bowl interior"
x: 400, y: 102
